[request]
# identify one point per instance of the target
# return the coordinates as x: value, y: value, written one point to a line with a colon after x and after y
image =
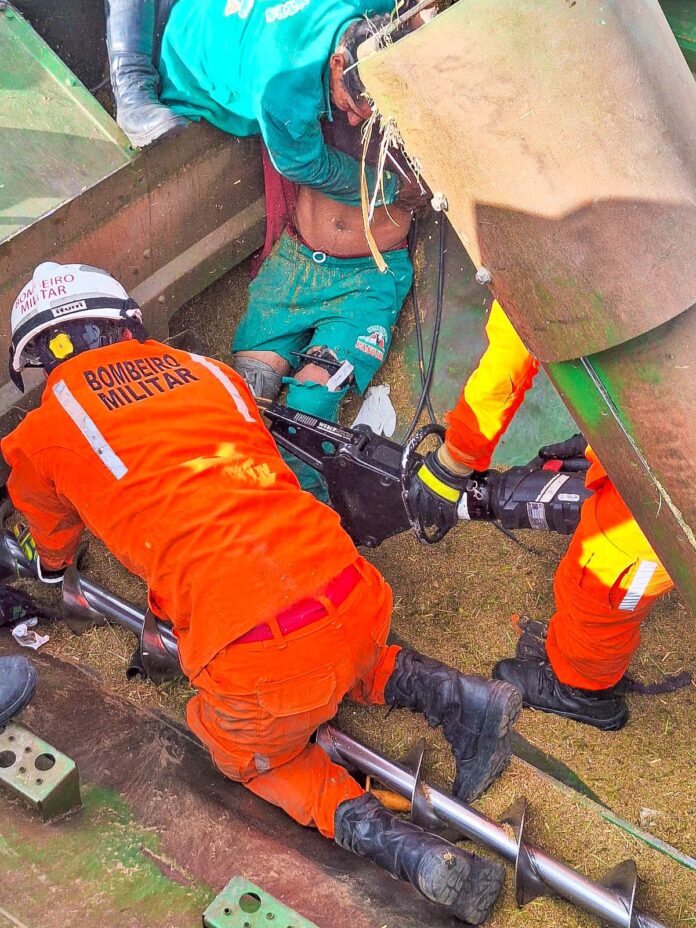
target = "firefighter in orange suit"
x: 163, y: 455
x: 608, y: 579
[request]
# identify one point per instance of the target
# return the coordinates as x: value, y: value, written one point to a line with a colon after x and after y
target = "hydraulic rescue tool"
x: 536, y: 872
x: 368, y: 479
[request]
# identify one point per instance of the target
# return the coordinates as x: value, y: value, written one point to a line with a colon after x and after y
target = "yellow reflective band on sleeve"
x: 437, y: 486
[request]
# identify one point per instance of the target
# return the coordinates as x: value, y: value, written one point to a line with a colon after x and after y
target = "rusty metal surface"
x: 166, y: 225
x: 565, y: 150
x: 208, y: 826
x: 636, y: 402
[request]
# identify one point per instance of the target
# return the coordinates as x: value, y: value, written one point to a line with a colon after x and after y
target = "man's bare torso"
x: 336, y: 228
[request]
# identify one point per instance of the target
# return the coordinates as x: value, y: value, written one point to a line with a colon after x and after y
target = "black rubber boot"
x: 130, y: 39
x: 541, y: 689
x: 476, y: 715
x: 466, y: 885
x: 17, y: 685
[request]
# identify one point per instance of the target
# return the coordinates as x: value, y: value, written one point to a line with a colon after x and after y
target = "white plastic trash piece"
x: 27, y: 638
x: 377, y: 411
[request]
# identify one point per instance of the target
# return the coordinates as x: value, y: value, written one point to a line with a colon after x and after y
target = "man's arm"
x: 492, y: 395
x: 53, y: 522
x: 298, y: 151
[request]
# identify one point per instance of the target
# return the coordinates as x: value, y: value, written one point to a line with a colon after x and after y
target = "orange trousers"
x: 258, y: 704
x: 604, y: 588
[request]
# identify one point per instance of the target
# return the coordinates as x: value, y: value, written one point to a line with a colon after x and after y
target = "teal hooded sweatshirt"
x: 255, y: 67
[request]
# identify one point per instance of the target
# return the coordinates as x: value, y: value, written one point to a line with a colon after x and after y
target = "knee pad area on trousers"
x: 261, y: 378
x: 314, y: 398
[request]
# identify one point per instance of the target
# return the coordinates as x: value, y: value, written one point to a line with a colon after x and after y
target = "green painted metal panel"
x: 681, y: 16
x: 56, y: 139
x: 542, y: 418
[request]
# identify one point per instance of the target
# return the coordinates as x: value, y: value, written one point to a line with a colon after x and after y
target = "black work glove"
x: 573, y: 447
x: 435, y: 493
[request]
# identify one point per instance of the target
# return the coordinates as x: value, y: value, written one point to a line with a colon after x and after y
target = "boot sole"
x: 168, y: 130
x: 613, y: 724
x: 503, y: 710
x: 22, y: 700
x: 441, y: 881
x: 480, y: 891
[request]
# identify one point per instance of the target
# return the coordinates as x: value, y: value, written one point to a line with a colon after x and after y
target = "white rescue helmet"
x: 58, y: 293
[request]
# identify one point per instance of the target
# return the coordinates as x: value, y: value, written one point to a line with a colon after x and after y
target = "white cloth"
x: 377, y: 411
x: 27, y: 638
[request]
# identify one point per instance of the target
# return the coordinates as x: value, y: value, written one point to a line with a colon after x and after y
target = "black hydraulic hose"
x: 425, y: 393
x: 413, y: 243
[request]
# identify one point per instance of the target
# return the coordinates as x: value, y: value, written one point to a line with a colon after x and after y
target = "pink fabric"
x: 281, y: 197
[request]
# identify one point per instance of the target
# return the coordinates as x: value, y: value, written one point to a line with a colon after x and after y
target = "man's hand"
x: 573, y: 447
x: 437, y: 489
x: 27, y: 544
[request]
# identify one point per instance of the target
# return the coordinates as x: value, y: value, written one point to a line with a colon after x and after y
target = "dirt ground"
x: 455, y: 602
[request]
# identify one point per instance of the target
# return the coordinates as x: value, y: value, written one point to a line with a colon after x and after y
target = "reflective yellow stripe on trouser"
x: 438, y: 486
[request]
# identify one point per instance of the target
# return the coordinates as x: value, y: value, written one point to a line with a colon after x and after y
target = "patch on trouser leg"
x: 260, y: 377
x: 316, y: 400
x: 262, y: 762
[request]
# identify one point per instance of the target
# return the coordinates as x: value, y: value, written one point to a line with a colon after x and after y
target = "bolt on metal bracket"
x: 241, y: 904
x: 38, y: 773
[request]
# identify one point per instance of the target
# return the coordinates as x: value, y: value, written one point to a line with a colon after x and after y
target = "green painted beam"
x: 681, y: 16
x: 57, y: 140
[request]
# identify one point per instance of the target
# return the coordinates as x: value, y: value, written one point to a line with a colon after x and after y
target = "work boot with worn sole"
x: 130, y: 40
x: 466, y: 885
x: 541, y: 689
x: 17, y: 685
x: 476, y: 715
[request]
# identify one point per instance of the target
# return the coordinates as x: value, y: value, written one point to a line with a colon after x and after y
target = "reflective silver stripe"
x: 227, y: 384
x: 86, y: 425
x: 550, y: 489
x: 638, y: 586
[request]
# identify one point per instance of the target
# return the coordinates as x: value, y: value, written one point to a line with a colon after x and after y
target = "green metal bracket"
x: 681, y: 15
x: 57, y: 140
x: 38, y: 773
x: 243, y: 905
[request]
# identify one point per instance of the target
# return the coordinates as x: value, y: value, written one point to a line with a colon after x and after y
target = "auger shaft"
x: 107, y: 604
x: 558, y: 878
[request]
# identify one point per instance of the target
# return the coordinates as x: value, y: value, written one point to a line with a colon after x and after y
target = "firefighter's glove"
x: 573, y: 447
x: 27, y: 545
x: 436, y: 490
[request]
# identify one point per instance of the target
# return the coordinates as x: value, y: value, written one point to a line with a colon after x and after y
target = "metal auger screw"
x: 483, y: 276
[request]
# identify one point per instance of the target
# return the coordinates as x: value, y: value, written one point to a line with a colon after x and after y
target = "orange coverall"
x: 163, y: 455
x: 610, y: 576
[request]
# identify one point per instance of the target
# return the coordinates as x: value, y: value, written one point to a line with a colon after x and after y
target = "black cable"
x: 513, y: 537
x: 413, y: 243
x: 425, y: 393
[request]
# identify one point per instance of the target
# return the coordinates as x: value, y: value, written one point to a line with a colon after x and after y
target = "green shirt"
x: 262, y: 67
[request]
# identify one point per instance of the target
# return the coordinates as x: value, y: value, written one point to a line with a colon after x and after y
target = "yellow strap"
x: 437, y: 486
